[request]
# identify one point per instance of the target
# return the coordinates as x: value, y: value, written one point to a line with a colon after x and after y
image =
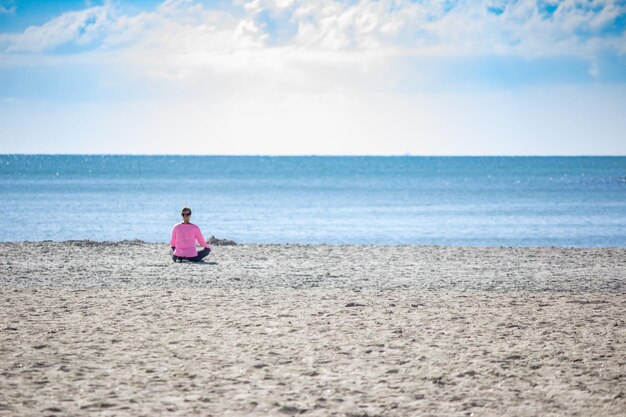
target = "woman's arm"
x: 200, y: 239
x: 173, y: 239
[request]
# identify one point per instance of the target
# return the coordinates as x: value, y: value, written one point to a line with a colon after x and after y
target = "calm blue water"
x: 510, y: 201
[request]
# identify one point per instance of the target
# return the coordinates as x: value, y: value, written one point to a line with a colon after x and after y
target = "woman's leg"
x: 201, y: 255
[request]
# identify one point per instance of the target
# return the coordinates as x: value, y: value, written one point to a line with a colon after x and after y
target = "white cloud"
x: 79, y: 27
x: 179, y: 8
x: 461, y: 27
x: 333, y: 45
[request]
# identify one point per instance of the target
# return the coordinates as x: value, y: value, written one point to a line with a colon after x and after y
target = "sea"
x: 369, y: 200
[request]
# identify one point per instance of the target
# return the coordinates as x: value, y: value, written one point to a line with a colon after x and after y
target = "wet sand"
x: 105, y: 329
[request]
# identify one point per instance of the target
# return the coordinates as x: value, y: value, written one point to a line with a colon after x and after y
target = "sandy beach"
x: 118, y: 329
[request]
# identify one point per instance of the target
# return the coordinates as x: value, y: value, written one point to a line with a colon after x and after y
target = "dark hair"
x: 184, y: 209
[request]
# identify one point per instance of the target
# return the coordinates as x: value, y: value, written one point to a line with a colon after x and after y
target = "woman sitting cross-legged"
x: 184, y: 238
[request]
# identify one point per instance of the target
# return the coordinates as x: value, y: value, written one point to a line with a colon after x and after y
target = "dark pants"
x: 200, y: 256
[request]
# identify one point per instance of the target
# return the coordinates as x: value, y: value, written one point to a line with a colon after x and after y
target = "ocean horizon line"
x: 318, y: 155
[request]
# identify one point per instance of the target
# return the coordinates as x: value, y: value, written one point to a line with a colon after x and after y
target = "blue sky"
x: 388, y: 77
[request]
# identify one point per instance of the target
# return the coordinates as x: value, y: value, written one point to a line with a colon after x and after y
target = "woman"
x: 184, y: 238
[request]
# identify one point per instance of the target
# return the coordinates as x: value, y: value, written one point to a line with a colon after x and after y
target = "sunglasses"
x: 185, y: 214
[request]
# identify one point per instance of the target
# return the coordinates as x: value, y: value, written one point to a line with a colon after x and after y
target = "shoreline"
x: 291, y: 244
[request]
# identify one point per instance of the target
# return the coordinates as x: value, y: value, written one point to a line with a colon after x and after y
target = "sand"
x: 118, y: 329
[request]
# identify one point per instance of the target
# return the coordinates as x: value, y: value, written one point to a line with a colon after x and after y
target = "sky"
x: 315, y: 77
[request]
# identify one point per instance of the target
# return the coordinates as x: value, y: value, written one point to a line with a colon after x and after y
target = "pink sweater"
x: 184, y: 237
